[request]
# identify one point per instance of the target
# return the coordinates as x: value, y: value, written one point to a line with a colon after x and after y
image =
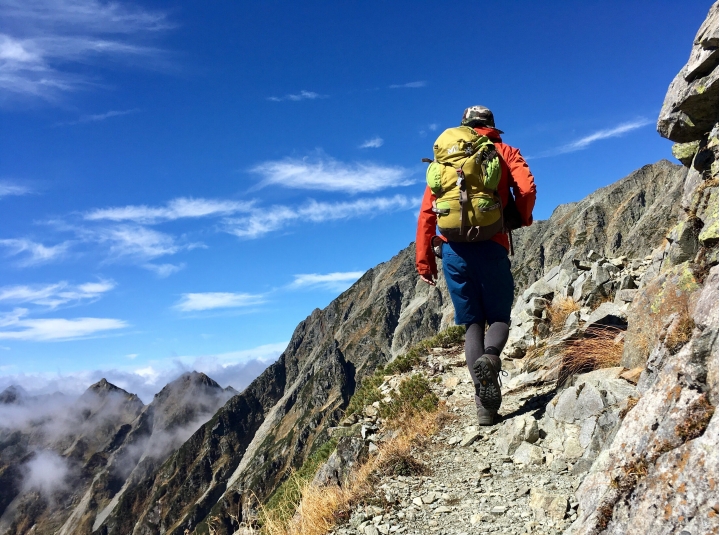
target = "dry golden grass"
x: 323, y: 507
x: 600, y: 348
x: 680, y: 330
x: 558, y: 312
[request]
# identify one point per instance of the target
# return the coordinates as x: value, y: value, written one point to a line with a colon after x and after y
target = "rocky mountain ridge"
x: 61, y: 463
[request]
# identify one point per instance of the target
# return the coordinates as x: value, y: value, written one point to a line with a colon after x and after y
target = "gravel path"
x: 472, y: 488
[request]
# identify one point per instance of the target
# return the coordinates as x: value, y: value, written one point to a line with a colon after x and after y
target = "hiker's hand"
x: 428, y: 279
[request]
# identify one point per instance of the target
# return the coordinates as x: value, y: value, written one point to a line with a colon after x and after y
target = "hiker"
x: 471, y: 170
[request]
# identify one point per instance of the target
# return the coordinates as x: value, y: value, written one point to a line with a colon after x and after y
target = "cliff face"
x: 629, y: 217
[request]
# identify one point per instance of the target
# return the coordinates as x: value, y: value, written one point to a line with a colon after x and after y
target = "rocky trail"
x: 473, y: 487
x: 502, y: 478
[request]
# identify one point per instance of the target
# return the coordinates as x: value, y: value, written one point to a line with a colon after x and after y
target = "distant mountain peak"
x: 13, y: 394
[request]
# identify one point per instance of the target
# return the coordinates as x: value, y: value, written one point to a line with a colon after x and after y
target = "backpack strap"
x: 463, y: 196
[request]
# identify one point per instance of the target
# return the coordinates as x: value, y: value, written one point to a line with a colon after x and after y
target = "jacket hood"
x: 492, y: 133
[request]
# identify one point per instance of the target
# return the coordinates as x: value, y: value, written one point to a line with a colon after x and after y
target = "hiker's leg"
x: 474, y: 348
x: 495, y: 339
x: 491, y: 267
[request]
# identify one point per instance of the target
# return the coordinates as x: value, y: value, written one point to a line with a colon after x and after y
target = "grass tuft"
x: 695, y: 423
x: 599, y: 348
x: 558, y: 312
x: 283, y: 502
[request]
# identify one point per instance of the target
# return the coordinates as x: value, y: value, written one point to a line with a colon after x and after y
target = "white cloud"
x: 135, y: 242
x: 53, y: 329
x: 234, y: 368
x: 55, y: 295
x: 179, y: 208
x: 34, y: 253
x: 409, y: 85
x: 7, y: 189
x: 131, y: 356
x: 98, y: 117
x: 335, y: 282
x: 191, y: 302
x: 45, y: 472
x: 265, y: 220
x: 303, y: 95
x: 586, y: 141
x: 374, y: 143
x: 328, y: 174
x: 432, y: 127
x: 164, y: 270
x: 45, y: 39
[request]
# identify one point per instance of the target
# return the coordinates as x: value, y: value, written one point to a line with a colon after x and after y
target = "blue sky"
x: 182, y: 183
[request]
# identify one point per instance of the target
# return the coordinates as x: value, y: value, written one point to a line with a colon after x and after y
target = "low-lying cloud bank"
x: 236, y: 369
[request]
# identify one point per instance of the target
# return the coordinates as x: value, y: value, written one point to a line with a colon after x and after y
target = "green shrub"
x: 447, y: 338
x: 414, y: 395
x: 367, y: 394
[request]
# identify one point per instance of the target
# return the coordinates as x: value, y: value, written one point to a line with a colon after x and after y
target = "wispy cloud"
x: 7, y: 189
x: 33, y: 253
x: 586, y: 141
x: 373, y: 143
x: 335, y: 282
x: 328, y: 174
x: 302, y: 95
x: 192, y: 302
x: 265, y: 220
x: 135, y: 242
x: 164, y: 270
x: 44, y: 40
x: 179, y: 208
x: 409, y: 85
x: 98, y: 117
x: 14, y: 326
x: 55, y: 295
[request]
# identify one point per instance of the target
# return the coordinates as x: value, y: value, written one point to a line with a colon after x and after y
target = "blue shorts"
x: 480, y: 282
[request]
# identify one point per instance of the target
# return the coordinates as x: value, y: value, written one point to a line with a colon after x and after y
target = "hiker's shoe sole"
x: 488, y: 387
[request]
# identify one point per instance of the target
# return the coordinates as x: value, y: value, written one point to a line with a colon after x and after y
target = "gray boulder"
x: 581, y: 419
x: 608, y: 315
x: 515, y: 432
x: 691, y: 104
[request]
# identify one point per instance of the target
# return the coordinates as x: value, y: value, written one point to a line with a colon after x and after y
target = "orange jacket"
x: 515, y: 174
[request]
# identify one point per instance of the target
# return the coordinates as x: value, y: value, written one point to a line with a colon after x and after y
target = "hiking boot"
x: 488, y: 387
x: 486, y: 416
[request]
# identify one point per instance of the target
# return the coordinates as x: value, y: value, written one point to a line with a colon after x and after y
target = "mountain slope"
x: 247, y: 448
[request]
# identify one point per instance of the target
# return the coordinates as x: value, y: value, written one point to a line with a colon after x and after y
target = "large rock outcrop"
x: 690, y: 108
x: 659, y: 474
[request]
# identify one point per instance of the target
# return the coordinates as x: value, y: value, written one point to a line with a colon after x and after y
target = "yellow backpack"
x: 464, y: 177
